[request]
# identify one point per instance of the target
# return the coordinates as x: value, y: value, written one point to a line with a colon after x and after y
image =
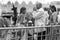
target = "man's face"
x: 38, y: 6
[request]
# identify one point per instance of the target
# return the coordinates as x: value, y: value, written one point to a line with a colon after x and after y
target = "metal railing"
x: 52, y: 32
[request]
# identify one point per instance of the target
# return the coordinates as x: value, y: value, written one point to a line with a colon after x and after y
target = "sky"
x: 27, y: 1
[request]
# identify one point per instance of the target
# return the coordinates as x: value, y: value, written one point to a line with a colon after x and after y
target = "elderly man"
x: 40, y: 20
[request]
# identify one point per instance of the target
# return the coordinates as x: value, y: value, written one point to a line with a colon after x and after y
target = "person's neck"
x: 38, y: 9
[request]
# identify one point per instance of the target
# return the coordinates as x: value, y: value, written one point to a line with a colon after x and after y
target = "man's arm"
x: 40, y: 15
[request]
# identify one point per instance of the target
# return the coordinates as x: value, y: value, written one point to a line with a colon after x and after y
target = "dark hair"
x: 46, y: 9
x: 38, y: 5
x: 22, y: 10
x: 53, y: 8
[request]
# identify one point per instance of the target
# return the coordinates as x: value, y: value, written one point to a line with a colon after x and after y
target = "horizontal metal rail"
x: 32, y: 27
x: 49, y: 35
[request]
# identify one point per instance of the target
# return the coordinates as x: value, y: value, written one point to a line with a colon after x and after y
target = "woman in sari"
x: 21, y: 17
x: 21, y: 22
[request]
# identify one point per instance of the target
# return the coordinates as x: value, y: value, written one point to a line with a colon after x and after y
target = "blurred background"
x: 6, y: 5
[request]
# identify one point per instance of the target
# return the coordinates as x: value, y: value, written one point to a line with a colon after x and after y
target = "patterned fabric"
x: 21, y: 18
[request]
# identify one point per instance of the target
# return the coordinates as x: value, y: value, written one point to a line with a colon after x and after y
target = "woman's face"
x: 24, y: 11
x: 34, y: 9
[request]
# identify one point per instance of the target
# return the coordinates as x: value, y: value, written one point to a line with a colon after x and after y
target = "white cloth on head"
x: 39, y: 15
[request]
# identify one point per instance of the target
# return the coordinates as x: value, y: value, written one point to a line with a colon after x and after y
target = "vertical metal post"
x: 51, y: 28
x: 36, y: 34
x: 47, y: 35
x: 16, y: 34
x: 26, y: 34
x: 41, y: 33
x: 32, y: 34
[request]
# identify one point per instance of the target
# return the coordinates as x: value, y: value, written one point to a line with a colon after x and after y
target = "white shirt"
x: 35, y: 13
x: 40, y: 17
x: 0, y: 12
x: 59, y: 18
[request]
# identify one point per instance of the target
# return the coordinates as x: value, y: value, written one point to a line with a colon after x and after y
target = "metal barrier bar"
x: 6, y: 28
x: 54, y: 27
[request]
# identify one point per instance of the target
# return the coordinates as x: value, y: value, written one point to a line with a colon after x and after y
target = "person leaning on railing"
x: 21, y: 22
x: 30, y: 19
x: 21, y: 18
x: 30, y: 23
x: 53, y: 14
x: 40, y: 17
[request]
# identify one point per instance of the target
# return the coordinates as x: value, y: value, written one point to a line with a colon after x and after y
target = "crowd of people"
x: 39, y: 17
